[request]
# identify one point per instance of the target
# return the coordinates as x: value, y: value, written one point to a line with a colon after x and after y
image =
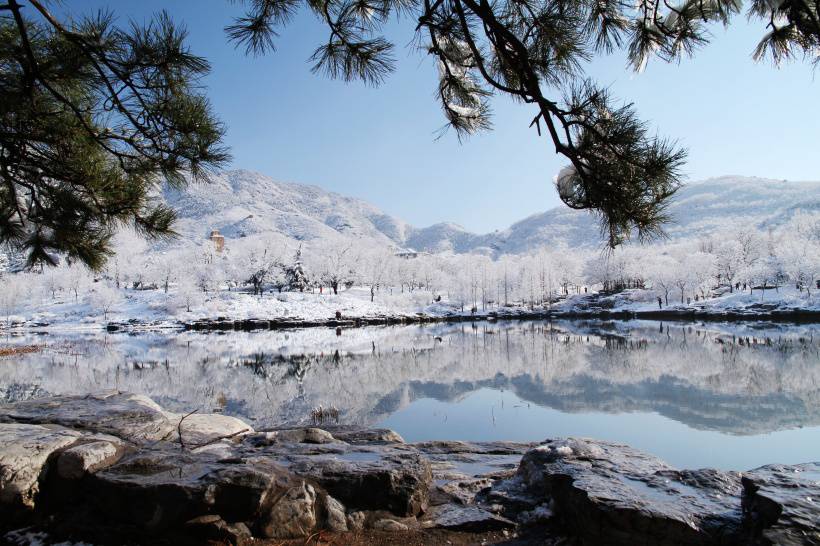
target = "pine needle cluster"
x: 93, y: 117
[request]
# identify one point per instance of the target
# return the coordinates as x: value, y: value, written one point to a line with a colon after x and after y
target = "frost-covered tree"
x: 598, y: 271
x: 801, y: 261
x: 295, y: 276
x: 52, y: 282
x: 567, y: 266
x: 201, y: 266
x: 661, y: 273
x: 702, y: 267
x: 728, y: 262
x: 11, y: 295
x: 104, y: 297
x: 260, y: 261
x: 133, y: 259
x: 749, y: 251
x: 164, y: 269
x: 374, y: 265
x: 187, y: 294
x: 77, y: 280
x: 334, y: 262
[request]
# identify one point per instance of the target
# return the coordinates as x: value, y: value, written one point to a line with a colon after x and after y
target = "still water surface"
x: 730, y: 396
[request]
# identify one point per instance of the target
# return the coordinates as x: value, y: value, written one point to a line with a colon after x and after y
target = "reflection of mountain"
x: 684, y: 374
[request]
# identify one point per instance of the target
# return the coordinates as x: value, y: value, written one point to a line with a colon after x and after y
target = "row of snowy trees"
x: 738, y: 258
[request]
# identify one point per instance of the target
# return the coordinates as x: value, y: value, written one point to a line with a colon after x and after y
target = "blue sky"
x: 735, y: 117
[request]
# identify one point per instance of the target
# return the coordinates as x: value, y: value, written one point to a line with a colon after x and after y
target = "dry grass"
x: 15, y: 350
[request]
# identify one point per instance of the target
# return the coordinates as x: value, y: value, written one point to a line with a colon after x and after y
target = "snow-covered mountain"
x: 243, y: 203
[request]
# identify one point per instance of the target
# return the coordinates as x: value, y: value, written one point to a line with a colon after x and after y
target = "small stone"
x: 292, y: 436
x: 335, y: 519
x: 468, y: 518
x: 293, y: 515
x: 213, y: 528
x: 373, y: 436
x: 356, y: 520
x: 389, y: 525
x: 539, y: 514
x: 202, y: 428
x: 76, y: 461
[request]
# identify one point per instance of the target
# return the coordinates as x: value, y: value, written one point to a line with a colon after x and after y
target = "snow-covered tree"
x: 567, y: 266
x: 335, y: 263
x: 77, y: 279
x: 661, y: 273
x: 801, y: 261
x: 295, y: 276
x: 260, y: 261
x: 164, y: 269
x: 187, y: 294
x: 374, y: 265
x: 702, y: 267
x: 11, y: 295
x: 104, y: 297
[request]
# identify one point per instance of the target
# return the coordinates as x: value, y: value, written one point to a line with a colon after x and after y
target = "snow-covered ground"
x: 157, y: 309
x: 782, y: 298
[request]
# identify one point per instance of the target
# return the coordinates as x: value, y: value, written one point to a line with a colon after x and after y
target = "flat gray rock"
x: 91, y: 454
x: 611, y: 493
x: 468, y: 518
x: 131, y: 417
x: 380, y: 478
x: 128, y: 416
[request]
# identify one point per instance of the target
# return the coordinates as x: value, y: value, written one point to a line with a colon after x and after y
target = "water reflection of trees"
x: 707, y: 377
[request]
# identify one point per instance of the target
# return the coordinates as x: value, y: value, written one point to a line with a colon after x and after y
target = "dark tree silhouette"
x: 92, y: 118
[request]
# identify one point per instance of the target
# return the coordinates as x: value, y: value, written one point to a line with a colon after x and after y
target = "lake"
x: 728, y: 396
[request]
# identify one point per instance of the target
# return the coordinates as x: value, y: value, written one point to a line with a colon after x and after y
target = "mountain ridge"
x: 242, y: 203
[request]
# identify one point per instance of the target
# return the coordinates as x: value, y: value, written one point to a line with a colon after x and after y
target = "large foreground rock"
x: 782, y: 503
x: 131, y: 417
x: 381, y: 479
x: 162, y: 489
x: 115, y: 467
x: 24, y: 453
x: 612, y: 494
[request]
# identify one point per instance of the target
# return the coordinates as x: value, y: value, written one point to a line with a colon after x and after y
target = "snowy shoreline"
x: 243, y: 312
x: 790, y: 316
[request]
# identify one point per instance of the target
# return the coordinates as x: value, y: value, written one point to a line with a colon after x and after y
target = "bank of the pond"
x: 113, y: 467
x: 231, y: 310
x: 794, y: 316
